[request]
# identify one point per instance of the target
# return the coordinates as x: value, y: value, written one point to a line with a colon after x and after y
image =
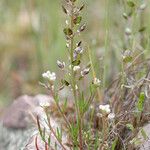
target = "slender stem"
x: 50, y: 127
x: 94, y: 74
x: 106, y: 43
x: 60, y: 110
x: 79, y: 120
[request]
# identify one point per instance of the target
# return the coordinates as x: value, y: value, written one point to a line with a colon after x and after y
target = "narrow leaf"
x: 77, y: 20
x: 130, y: 126
x: 114, y: 144
x: 140, y: 103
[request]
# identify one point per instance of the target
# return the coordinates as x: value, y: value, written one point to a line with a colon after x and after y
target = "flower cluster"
x: 51, y: 76
x: 105, y: 109
x: 96, y: 81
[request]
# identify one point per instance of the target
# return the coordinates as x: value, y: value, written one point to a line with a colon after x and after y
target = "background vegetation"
x: 31, y: 40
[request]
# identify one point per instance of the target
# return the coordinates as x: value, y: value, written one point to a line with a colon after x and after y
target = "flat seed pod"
x: 81, y: 7
x: 81, y: 28
x: 76, y: 62
x: 68, y: 31
x: 64, y: 9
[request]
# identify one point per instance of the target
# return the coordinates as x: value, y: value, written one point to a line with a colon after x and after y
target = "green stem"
x: 106, y: 44
x: 79, y: 120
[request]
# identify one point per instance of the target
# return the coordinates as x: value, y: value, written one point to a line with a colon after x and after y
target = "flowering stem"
x: 94, y: 74
x: 79, y: 120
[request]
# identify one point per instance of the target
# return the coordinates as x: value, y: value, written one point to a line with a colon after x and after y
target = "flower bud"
x: 143, y: 6
x: 76, y: 68
x: 96, y: 81
x: 60, y: 64
x: 128, y: 31
x: 85, y: 72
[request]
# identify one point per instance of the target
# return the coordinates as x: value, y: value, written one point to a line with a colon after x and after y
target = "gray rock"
x: 18, y: 114
x: 14, y: 139
x: 19, y: 130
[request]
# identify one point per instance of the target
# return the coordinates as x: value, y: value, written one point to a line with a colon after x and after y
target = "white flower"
x: 44, y: 104
x: 111, y: 116
x: 70, y: 66
x: 76, y: 87
x: 67, y: 45
x: 50, y: 76
x: 143, y: 6
x: 128, y: 31
x: 67, y: 22
x: 76, y: 68
x: 105, y: 108
x: 96, y: 81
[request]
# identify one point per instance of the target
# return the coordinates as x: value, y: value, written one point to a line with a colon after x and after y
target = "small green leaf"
x: 114, y: 144
x: 130, y: 3
x: 49, y: 140
x: 141, y: 100
x: 127, y: 59
x: 43, y: 135
x: 77, y: 20
x: 130, y: 126
x: 68, y: 31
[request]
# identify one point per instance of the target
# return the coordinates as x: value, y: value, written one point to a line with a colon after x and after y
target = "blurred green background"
x: 31, y: 40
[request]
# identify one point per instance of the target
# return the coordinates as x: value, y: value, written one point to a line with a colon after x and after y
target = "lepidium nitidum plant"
x: 81, y: 129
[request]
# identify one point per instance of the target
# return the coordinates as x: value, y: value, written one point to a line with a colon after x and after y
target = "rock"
x: 17, y: 115
x: 14, y: 139
x: 19, y: 130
